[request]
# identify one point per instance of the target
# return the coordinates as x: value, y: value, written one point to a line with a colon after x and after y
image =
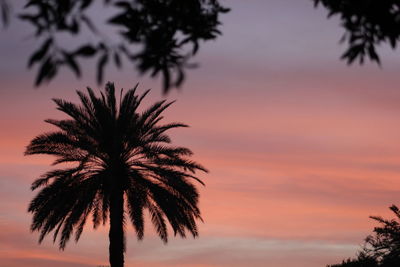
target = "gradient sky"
x: 301, y: 148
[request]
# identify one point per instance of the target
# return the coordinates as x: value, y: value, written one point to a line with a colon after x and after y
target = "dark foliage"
x: 5, y: 12
x: 120, y: 164
x: 382, y: 248
x: 159, y: 37
x: 155, y: 36
x: 368, y: 23
x: 361, y: 261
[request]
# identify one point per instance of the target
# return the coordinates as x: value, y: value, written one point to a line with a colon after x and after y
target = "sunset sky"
x: 301, y: 148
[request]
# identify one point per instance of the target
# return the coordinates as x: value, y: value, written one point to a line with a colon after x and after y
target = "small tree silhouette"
x: 122, y: 163
x: 381, y: 249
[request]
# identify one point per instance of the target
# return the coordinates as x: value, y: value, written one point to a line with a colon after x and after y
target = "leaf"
x: 5, y: 12
x: 393, y: 41
x: 166, y: 80
x: 30, y: 3
x: 69, y: 59
x: 195, y: 47
x: 117, y: 60
x: 100, y: 67
x: 47, y: 70
x: 125, y: 51
x: 31, y: 18
x: 373, y: 55
x: 90, y: 24
x: 74, y: 28
x: 123, y: 4
x: 119, y: 20
x: 85, y: 4
x: 353, y: 52
x: 86, y: 51
x: 180, y: 78
x: 40, y: 53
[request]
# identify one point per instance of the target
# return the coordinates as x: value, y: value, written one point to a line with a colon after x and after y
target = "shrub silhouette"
x: 382, y: 248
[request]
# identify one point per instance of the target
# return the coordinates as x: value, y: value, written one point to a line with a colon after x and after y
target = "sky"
x: 301, y: 148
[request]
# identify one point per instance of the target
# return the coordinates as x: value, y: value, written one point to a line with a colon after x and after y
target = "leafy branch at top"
x: 158, y: 37
x: 368, y: 24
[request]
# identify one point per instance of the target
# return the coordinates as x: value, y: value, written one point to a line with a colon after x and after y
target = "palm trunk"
x: 116, y: 234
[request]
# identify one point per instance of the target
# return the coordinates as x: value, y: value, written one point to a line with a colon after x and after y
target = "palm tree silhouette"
x: 121, y: 162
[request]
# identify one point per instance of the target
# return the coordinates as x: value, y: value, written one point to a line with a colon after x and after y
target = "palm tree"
x: 118, y: 161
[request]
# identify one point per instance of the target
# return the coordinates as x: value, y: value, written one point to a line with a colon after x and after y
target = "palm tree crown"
x: 122, y: 162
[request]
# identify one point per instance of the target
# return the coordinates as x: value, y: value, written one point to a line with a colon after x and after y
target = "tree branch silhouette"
x: 160, y: 37
x: 157, y: 37
x: 367, y: 24
x: 382, y: 248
